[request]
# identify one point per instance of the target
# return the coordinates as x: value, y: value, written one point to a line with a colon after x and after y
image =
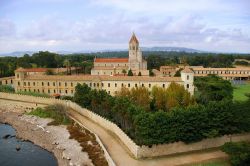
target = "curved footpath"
x: 121, y: 156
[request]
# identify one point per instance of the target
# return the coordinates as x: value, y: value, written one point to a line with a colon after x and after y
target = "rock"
x: 6, y: 136
x: 18, y: 148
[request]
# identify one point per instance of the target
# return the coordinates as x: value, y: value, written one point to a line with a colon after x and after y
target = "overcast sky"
x: 78, y: 25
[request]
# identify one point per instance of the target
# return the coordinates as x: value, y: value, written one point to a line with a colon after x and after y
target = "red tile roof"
x: 109, y: 60
x: 187, y: 70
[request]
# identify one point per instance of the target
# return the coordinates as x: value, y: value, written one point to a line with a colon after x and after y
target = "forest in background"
x: 155, y: 59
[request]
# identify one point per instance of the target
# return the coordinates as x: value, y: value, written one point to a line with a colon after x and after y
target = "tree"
x: 151, y: 73
x: 130, y: 73
x: 82, y: 95
x: 178, y: 73
x: 212, y: 88
x: 67, y: 64
x: 124, y: 72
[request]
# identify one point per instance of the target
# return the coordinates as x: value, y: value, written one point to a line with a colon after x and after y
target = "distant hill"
x: 17, y: 53
x: 170, y: 49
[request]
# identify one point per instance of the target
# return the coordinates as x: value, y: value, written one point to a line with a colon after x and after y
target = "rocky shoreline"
x: 54, y: 139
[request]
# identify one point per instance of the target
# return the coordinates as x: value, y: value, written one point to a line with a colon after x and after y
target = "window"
x: 149, y: 85
x: 11, y: 81
x: 128, y: 84
x: 54, y: 84
x: 90, y: 84
x: 108, y: 84
x: 187, y: 77
x: 65, y: 83
x: 48, y: 91
x: 72, y: 91
x: 142, y: 85
x: 109, y: 92
x: 48, y: 83
x: 60, y: 91
x: 17, y: 75
x: 97, y: 84
x: 43, y: 90
x: 187, y: 86
x: 17, y: 83
x: 28, y: 83
x: 66, y: 91
x: 102, y: 85
x: 94, y: 84
x: 59, y: 83
x: 136, y: 85
x: 122, y: 84
x: 38, y: 90
x: 54, y: 91
x: 34, y: 83
x: 115, y: 84
x: 24, y: 83
x: 72, y: 84
x: 42, y: 83
x: 163, y: 85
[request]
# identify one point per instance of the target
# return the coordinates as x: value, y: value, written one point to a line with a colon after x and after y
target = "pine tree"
x: 130, y: 73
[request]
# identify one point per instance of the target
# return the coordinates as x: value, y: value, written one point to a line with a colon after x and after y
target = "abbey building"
x: 120, y: 66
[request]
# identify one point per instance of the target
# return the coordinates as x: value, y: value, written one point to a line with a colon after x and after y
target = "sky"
x: 83, y: 25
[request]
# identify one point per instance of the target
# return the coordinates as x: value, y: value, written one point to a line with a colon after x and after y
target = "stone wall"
x: 7, y: 80
x: 180, y: 147
x: 135, y: 150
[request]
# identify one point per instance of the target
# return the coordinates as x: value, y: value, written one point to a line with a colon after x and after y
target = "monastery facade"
x: 120, y: 66
x: 65, y: 85
x: 237, y: 73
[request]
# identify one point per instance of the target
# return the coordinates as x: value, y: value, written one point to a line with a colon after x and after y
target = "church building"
x: 121, y: 66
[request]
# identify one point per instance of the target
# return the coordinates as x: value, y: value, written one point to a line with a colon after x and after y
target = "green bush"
x: 36, y: 94
x: 239, y: 153
x: 7, y: 89
x: 57, y: 112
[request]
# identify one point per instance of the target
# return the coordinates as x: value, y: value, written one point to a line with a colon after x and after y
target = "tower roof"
x: 134, y: 39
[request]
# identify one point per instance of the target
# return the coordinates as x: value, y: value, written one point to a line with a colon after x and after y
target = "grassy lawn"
x: 239, y: 92
x: 213, y: 163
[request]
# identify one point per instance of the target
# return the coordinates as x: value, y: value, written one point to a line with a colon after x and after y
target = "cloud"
x: 7, y: 28
x: 56, y: 33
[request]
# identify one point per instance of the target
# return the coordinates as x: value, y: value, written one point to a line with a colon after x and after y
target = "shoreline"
x: 54, y: 139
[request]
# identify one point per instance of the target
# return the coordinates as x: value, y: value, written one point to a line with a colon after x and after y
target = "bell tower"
x: 135, y: 55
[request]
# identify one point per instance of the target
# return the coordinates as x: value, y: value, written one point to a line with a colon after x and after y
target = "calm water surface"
x: 28, y: 155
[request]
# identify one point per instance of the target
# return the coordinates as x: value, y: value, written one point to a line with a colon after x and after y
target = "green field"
x: 239, y: 92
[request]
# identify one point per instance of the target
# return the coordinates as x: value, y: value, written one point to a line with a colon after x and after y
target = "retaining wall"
x: 136, y: 151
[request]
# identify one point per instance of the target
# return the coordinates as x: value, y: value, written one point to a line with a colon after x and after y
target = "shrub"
x: 36, y: 94
x: 7, y: 89
x: 58, y: 113
x: 239, y: 153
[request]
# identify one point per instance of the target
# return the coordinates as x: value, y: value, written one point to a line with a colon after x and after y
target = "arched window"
x: 187, y: 86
